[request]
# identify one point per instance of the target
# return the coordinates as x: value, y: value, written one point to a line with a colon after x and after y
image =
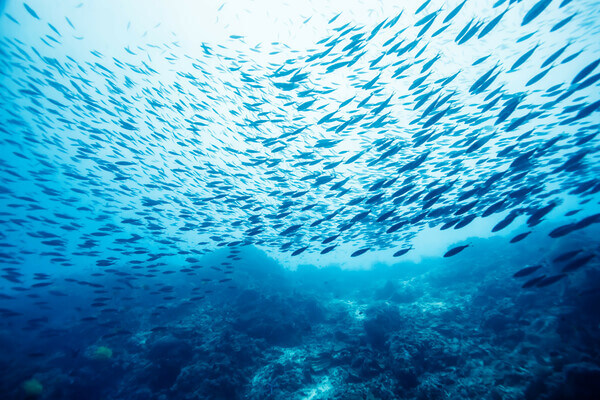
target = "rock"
x: 352, y: 378
x: 280, y: 321
x: 497, y: 322
x: 381, y: 322
x: 168, y: 355
x: 370, y: 369
x: 407, y: 378
x: 385, y: 292
x: 536, y: 389
x: 219, y: 381
x: 582, y: 381
x: 169, y: 348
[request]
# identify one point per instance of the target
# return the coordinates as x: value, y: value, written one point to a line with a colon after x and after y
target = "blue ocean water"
x: 303, y: 200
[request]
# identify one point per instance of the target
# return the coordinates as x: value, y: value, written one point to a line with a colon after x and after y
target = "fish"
x: 571, y: 227
x: 578, y: 263
x: 401, y: 252
x: 562, y: 23
x: 533, y: 282
x: 526, y: 271
x: 454, y: 12
x: 521, y: 60
x: 455, y: 250
x: 31, y: 11
x: 540, y: 213
x: 520, y: 237
x: 535, y: 11
x: 491, y: 25
x: 555, y: 55
x: 585, y: 71
x: 566, y: 255
x: 328, y: 249
x: 422, y: 6
x: 537, y: 77
x: 547, y: 281
x: 360, y: 252
x: 505, y: 222
x: 299, y: 251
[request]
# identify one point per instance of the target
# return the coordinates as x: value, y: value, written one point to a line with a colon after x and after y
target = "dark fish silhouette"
x: 533, y: 282
x: 455, y: 250
x: 534, y: 11
x: 526, y: 271
x: 547, y: 281
x: 577, y: 263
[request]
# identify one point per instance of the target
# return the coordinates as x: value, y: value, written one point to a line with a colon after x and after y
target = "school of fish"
x: 364, y: 140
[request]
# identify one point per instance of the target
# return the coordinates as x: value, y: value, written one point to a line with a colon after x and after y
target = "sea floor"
x: 438, y: 329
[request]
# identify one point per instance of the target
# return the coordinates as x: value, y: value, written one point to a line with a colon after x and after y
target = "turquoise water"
x: 267, y: 200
